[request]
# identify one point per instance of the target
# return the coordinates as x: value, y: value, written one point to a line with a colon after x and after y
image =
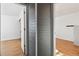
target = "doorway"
x: 12, y: 38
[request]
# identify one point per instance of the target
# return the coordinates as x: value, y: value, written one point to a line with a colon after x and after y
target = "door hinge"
x: 24, y: 12
x: 24, y: 45
x: 24, y: 29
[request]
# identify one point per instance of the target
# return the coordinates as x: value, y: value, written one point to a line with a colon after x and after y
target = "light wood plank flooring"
x: 67, y: 47
x: 11, y: 48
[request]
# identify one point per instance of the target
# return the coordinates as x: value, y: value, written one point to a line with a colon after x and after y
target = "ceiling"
x: 10, y: 9
x: 61, y: 9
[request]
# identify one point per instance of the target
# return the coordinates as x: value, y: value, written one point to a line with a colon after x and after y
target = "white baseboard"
x: 10, y: 38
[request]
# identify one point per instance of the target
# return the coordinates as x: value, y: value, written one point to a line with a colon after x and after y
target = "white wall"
x: 61, y: 22
x: 10, y: 27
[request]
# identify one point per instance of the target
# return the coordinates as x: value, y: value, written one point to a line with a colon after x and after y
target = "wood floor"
x: 11, y: 48
x: 67, y: 47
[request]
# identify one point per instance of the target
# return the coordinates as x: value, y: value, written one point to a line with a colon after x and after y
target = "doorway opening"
x: 12, y: 29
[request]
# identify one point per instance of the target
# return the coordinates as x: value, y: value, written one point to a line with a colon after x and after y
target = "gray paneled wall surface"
x: 32, y: 30
x: 43, y: 26
x: 39, y: 23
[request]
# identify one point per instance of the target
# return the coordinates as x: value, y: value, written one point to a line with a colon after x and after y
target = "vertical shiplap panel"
x: 32, y: 30
x: 36, y: 29
x: 44, y: 36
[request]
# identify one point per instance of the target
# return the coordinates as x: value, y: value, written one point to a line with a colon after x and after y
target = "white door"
x: 23, y: 29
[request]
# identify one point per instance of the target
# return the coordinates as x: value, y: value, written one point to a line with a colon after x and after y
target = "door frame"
x: 26, y: 18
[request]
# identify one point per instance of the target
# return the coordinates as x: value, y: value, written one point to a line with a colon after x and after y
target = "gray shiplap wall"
x: 32, y: 30
x: 44, y: 39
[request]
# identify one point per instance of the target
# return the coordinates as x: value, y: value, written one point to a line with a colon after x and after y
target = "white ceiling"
x: 61, y: 9
x: 10, y: 9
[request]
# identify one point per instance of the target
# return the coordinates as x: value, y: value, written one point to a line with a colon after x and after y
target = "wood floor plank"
x: 67, y: 47
x: 11, y: 48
